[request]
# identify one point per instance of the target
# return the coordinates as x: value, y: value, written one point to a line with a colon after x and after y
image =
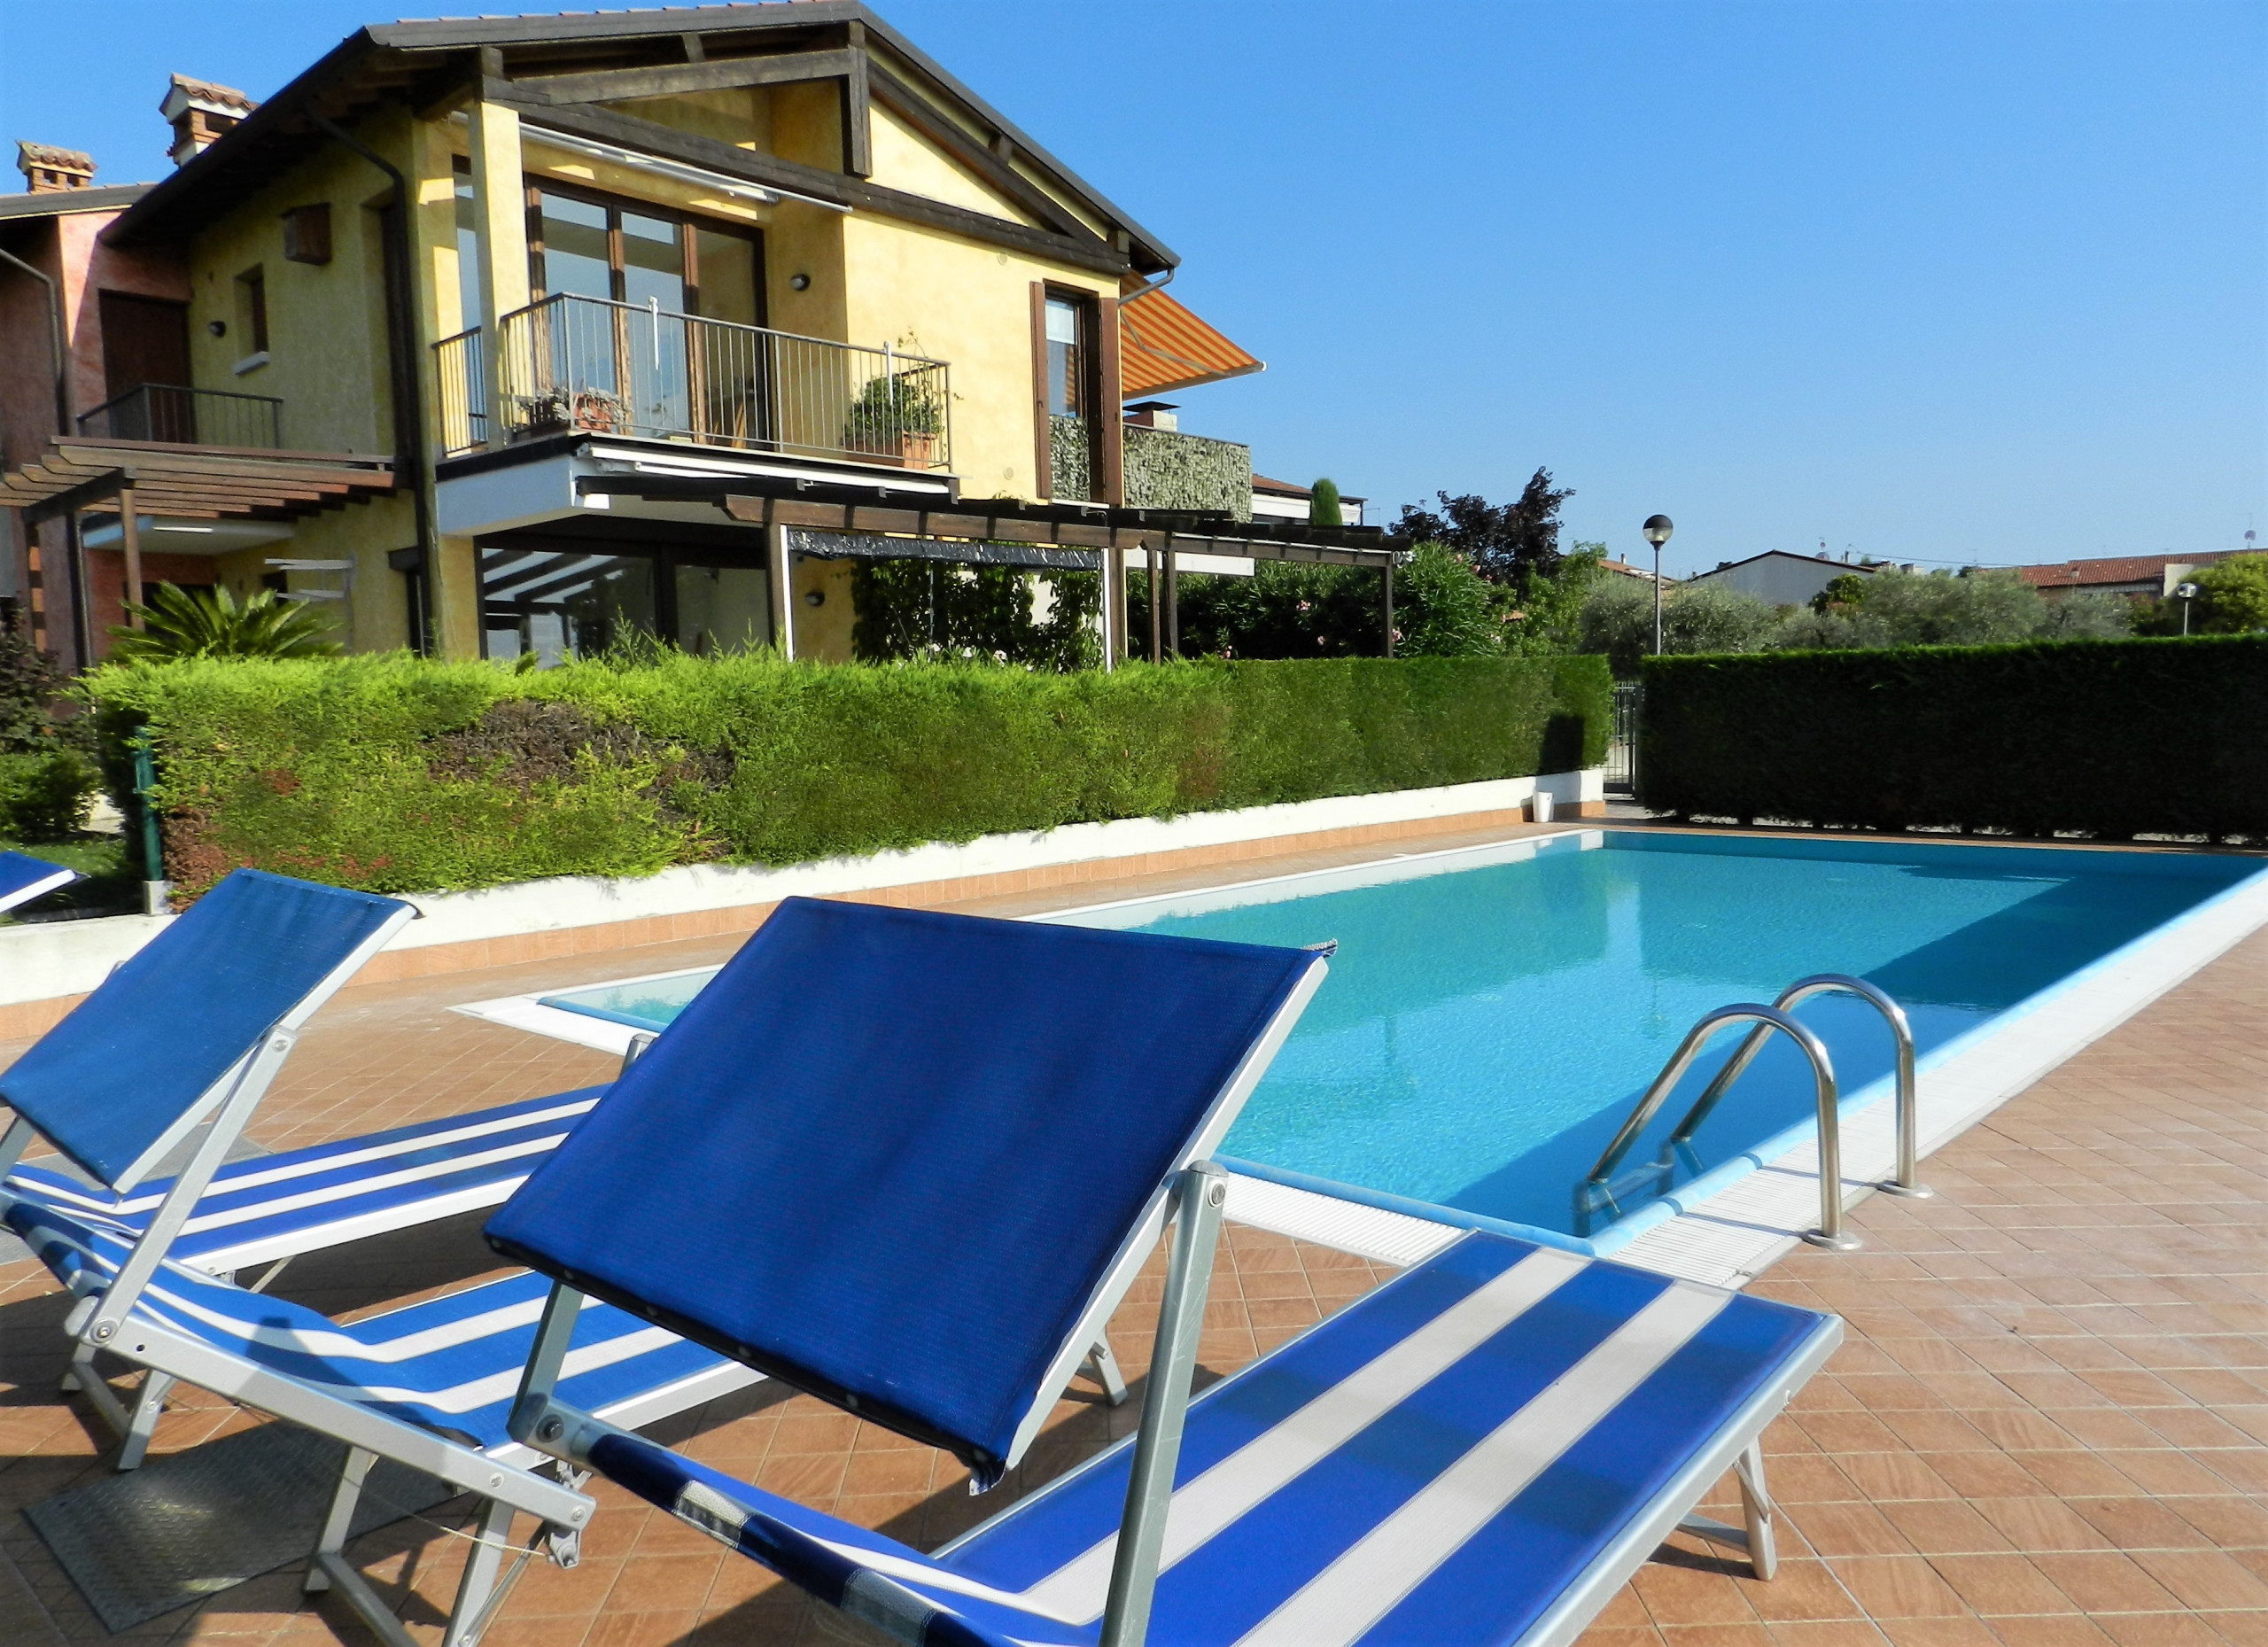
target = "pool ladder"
x: 1596, y: 1192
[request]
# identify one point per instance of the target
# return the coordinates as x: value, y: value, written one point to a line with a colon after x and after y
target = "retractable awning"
x: 1162, y: 347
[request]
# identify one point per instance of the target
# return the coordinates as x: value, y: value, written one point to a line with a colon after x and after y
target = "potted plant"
x: 897, y: 417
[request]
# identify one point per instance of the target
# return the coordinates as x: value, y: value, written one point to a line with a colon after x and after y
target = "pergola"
x: 1007, y: 532
x: 132, y: 478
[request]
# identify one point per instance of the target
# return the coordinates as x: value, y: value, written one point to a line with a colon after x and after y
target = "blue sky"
x: 1929, y: 281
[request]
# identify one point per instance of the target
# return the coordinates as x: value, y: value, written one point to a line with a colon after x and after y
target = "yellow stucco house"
x: 504, y: 334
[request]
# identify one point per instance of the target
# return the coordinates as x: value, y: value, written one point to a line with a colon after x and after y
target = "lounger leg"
x: 1756, y: 1509
x: 474, y: 1603
x: 333, y: 1542
x: 81, y: 1372
x: 1104, y: 1366
x: 1754, y: 1539
x: 144, y: 1422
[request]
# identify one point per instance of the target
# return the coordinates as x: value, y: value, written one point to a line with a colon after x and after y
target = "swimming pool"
x: 1492, y: 1014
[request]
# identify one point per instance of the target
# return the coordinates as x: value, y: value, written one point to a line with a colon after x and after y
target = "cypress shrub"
x: 2108, y: 737
x: 394, y: 774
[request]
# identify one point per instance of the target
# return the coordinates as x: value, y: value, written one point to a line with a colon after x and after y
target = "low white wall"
x: 44, y: 960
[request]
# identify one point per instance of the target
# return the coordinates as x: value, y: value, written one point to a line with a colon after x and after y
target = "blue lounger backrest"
x: 889, y: 1156
x: 111, y: 1084
x: 23, y: 878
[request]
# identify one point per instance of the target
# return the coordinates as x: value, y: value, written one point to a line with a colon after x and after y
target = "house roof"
x: 2120, y: 569
x: 427, y: 64
x: 1162, y: 347
x: 1788, y: 555
x: 62, y: 202
x: 1266, y: 487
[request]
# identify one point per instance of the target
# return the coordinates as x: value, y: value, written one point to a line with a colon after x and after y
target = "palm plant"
x: 185, y: 623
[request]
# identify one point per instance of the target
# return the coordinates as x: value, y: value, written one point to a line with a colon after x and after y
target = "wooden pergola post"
x: 129, y: 534
x: 1150, y: 559
x: 1173, y: 601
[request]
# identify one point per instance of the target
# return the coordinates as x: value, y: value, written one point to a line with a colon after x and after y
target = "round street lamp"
x: 2184, y: 593
x: 1657, y: 529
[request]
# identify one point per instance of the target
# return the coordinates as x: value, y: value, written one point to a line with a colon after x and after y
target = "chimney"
x: 200, y: 112
x: 49, y: 170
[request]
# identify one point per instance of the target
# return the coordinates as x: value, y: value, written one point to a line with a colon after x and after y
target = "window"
x: 1067, y: 353
x: 251, y: 310
x: 597, y: 248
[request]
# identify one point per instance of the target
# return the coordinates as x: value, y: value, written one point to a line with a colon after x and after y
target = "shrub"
x: 1323, y: 504
x: 2111, y: 737
x: 43, y: 796
x: 200, y: 623
x: 395, y: 774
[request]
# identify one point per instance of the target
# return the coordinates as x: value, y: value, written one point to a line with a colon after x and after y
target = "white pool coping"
x: 1735, y: 1222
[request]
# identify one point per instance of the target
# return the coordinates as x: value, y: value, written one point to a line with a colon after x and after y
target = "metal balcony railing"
x: 184, y: 416
x: 573, y: 363
x: 460, y: 371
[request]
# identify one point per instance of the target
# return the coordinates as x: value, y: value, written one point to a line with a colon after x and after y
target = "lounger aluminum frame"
x: 23, y: 878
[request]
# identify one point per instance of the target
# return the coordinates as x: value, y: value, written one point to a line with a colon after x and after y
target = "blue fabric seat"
x: 278, y: 1206
x: 1447, y: 1460
x: 449, y: 1363
x: 893, y: 1112
x: 965, y: 1134
x: 23, y: 878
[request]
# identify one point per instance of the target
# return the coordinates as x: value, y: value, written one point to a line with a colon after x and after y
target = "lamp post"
x: 1658, y: 530
x: 2184, y: 593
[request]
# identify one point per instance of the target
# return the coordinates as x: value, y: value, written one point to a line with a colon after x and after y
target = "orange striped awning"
x: 1162, y: 347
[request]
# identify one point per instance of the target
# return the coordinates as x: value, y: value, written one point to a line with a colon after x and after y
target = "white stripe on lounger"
x: 1354, y: 1592
x: 1265, y: 1464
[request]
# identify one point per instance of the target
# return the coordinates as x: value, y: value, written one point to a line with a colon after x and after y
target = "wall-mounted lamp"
x: 815, y: 597
x: 218, y: 327
x: 799, y: 283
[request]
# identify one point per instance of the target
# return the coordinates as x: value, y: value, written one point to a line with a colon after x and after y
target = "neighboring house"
x: 511, y: 335
x: 1280, y: 499
x: 2136, y: 577
x: 1780, y: 578
x: 118, y: 313
x: 1624, y: 569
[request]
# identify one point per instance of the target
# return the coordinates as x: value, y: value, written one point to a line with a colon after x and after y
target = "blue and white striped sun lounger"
x: 23, y: 878
x: 965, y: 1133
x: 274, y: 1208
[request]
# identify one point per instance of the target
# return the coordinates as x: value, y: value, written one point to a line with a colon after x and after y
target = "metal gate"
x: 1622, y: 750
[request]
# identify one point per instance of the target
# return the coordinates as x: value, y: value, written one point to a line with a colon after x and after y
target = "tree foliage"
x: 1502, y: 541
x: 1323, y: 504
x: 2232, y: 596
x: 190, y: 623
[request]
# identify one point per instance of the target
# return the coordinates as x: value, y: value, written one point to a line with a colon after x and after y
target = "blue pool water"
x: 1486, y: 1025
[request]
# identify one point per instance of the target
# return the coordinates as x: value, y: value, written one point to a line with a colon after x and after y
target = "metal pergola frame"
x: 991, y: 530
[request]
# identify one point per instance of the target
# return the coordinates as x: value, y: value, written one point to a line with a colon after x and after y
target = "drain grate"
x: 186, y: 1527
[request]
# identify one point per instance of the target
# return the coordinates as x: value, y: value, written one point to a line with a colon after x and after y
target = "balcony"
x: 174, y: 415
x: 580, y: 364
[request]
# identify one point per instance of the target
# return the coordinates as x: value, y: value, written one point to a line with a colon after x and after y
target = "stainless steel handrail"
x: 1829, y: 1233
x: 1901, y: 1031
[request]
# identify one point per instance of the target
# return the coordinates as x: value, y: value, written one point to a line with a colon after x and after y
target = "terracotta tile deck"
x: 2048, y: 1424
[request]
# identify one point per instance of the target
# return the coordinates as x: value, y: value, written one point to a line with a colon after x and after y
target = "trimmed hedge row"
x: 397, y: 774
x: 2110, y: 737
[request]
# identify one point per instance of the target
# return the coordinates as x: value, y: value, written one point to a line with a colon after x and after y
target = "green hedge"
x: 396, y: 774
x: 2114, y: 738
